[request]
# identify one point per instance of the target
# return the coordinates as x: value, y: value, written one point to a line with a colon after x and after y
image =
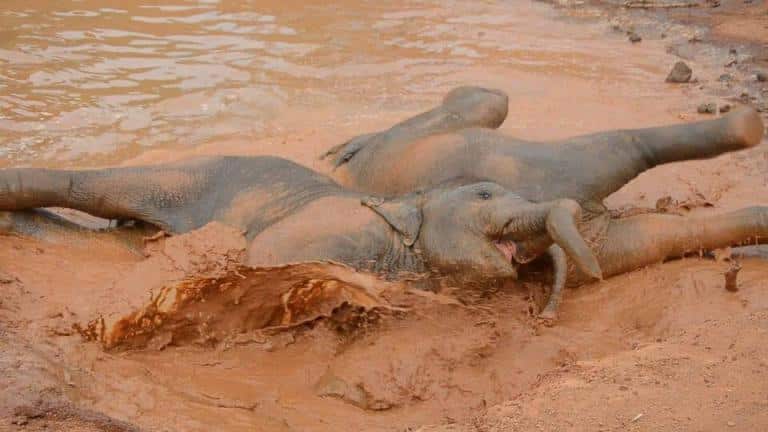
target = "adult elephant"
x: 455, y: 143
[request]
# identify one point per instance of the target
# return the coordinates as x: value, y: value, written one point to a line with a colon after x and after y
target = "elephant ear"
x: 403, y: 216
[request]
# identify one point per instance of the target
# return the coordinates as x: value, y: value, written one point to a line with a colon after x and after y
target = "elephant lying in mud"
x: 455, y: 144
x: 289, y: 214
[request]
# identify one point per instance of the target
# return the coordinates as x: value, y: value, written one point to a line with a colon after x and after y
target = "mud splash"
x: 208, y: 310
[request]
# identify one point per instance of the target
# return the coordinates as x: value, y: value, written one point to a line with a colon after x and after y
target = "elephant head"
x: 483, y: 230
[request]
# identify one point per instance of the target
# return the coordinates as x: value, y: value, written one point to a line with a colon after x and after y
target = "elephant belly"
x: 310, y: 234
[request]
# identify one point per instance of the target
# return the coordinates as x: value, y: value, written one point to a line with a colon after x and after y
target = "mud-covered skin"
x: 46, y: 225
x: 419, y: 153
x: 462, y: 108
x: 289, y: 213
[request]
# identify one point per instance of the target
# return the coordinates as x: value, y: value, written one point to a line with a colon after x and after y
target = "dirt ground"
x: 96, y: 338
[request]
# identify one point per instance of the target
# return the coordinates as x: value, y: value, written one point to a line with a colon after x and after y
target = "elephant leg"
x: 48, y: 226
x: 461, y: 108
x: 611, y: 159
x: 642, y: 240
x: 157, y: 194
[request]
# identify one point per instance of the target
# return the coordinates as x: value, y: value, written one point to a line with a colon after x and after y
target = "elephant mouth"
x: 516, y: 250
x: 508, y: 248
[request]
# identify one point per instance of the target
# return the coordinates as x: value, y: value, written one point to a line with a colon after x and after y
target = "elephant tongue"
x: 507, y: 247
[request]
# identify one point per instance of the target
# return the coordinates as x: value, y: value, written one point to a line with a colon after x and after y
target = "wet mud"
x: 182, y: 337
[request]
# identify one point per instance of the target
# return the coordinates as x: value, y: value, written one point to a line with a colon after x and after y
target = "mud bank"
x: 196, y: 343
x: 725, y: 41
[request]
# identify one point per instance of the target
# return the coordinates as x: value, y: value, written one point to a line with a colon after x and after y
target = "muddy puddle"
x: 183, y: 338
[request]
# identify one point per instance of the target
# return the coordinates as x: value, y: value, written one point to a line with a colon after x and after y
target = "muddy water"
x: 87, y: 83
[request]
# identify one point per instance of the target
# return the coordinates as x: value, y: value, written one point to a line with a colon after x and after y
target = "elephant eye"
x: 484, y: 195
x: 347, y: 157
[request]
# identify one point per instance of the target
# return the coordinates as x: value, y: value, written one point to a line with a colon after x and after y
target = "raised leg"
x: 462, y: 108
x: 611, y: 159
x: 642, y: 240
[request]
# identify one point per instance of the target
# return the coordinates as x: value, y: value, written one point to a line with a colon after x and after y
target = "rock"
x: 726, y: 77
x: 707, y: 108
x: 724, y: 108
x: 634, y: 37
x: 761, y: 76
x: 745, y: 97
x: 731, y: 424
x: 680, y: 73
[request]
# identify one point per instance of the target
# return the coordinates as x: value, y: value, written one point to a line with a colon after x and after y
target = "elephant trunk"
x: 561, y: 226
x: 539, y: 225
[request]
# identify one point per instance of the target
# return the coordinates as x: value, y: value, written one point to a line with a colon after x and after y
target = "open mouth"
x: 517, y: 250
x: 508, y: 248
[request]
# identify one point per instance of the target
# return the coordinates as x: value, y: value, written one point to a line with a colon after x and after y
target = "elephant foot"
x: 745, y: 124
x: 548, y: 315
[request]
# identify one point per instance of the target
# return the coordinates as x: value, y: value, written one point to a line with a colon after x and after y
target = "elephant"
x: 455, y: 143
x: 289, y: 213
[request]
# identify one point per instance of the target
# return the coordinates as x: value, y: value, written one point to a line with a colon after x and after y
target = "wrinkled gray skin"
x: 455, y: 144
x: 289, y: 213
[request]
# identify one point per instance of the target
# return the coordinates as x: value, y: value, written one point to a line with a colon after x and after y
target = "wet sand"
x: 662, y: 348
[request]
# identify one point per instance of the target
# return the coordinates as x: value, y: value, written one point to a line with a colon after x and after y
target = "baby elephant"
x: 455, y: 143
x: 288, y: 213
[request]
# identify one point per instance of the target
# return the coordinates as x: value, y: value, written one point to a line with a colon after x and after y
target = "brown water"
x: 98, y: 82
x: 89, y: 83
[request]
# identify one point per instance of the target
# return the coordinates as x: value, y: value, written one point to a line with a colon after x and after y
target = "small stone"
x: 680, y: 73
x: 745, y: 97
x: 725, y: 77
x: 623, y: 388
x: 731, y: 424
x: 732, y: 51
x: 634, y: 37
x: 761, y: 76
x: 707, y: 108
x: 724, y: 108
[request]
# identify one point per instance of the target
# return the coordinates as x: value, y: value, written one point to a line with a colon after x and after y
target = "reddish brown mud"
x: 94, y: 337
